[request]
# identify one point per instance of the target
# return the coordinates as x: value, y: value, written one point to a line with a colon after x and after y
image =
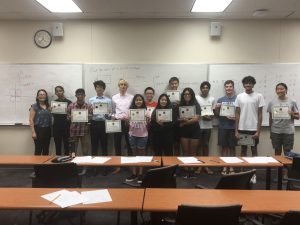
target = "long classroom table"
x: 253, y: 201
x: 215, y: 161
x: 28, y: 199
x: 24, y: 160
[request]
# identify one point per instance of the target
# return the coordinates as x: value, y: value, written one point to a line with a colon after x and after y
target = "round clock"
x: 42, y: 38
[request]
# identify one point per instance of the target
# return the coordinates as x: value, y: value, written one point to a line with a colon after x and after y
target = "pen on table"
x: 55, y: 198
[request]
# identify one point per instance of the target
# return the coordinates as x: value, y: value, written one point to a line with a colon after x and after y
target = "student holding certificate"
x: 102, y: 108
x: 40, y: 120
x: 138, y: 133
x: 61, y: 124
x: 189, y: 125
x: 162, y: 126
x: 283, y: 111
x: 207, y: 104
x: 248, y: 114
x: 225, y: 109
x: 79, y: 113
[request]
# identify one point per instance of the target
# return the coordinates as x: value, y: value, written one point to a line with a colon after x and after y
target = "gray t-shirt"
x: 283, y: 126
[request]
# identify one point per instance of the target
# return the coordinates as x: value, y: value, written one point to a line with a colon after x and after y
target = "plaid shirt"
x: 79, y: 129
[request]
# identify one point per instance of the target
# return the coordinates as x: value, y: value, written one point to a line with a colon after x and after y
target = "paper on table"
x: 64, y: 198
x: 231, y: 160
x: 99, y: 159
x: 144, y: 158
x: 82, y: 159
x: 260, y: 159
x: 96, y: 196
x: 130, y: 159
x: 187, y: 160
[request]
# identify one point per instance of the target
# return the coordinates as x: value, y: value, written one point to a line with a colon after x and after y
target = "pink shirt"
x: 121, y: 104
x: 139, y: 129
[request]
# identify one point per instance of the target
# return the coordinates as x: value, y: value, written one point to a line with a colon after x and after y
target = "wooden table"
x: 253, y: 201
x: 284, y: 160
x: 30, y: 199
x: 215, y: 161
x: 24, y: 160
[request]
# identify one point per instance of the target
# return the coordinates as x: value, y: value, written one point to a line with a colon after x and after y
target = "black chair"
x: 290, y: 218
x: 236, y: 181
x: 208, y: 215
x: 293, y: 180
x: 63, y: 175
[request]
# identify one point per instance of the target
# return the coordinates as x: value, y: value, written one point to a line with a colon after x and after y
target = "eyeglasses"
x: 186, y: 94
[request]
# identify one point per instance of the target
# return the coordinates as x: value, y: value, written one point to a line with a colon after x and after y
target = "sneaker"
x: 140, y: 179
x: 253, y: 179
x: 133, y: 177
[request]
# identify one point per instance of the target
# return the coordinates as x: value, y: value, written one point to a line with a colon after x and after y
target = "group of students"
x: 164, y: 137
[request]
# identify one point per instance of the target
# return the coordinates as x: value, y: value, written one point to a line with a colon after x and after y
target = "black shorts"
x: 226, y: 138
x: 205, y: 136
x: 190, y: 131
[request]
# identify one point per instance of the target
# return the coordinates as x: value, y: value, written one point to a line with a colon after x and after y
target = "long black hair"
x: 169, y: 104
x: 133, y: 106
x: 46, y: 100
x: 193, y: 98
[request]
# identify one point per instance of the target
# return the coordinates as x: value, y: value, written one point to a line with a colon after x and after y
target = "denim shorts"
x: 138, y: 142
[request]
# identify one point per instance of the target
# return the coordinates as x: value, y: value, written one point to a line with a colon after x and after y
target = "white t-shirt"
x: 249, y: 104
x: 206, y: 124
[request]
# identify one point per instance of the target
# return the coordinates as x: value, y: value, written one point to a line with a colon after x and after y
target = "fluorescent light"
x: 60, y: 6
x: 210, y: 5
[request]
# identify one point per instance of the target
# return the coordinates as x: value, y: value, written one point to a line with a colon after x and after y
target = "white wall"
x: 148, y: 41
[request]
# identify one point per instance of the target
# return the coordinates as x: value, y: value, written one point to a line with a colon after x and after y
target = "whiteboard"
x: 267, y: 76
x: 20, y: 83
x: 140, y: 76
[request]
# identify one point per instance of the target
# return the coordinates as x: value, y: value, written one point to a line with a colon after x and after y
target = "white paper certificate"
x: 227, y: 110
x: 79, y: 115
x: 186, y: 111
x: 137, y: 115
x: 59, y: 107
x: 164, y: 115
x: 150, y: 110
x: 174, y: 96
x: 280, y: 112
x: 113, y: 126
x: 246, y: 139
x: 100, y: 108
x: 206, y: 110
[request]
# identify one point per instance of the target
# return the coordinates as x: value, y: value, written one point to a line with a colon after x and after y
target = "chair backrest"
x: 237, y: 181
x: 291, y: 218
x: 162, y: 177
x: 208, y: 215
x: 63, y: 175
x: 294, y: 172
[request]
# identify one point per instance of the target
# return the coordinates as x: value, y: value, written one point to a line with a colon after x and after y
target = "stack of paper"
x: 260, y: 159
x: 136, y: 159
x: 65, y: 198
x: 189, y: 160
x: 231, y: 160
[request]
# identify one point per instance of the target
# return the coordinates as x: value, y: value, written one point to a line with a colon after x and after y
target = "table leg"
x: 268, y: 178
x: 279, y: 178
x: 133, y: 218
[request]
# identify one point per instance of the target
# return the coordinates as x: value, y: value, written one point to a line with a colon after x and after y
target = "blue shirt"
x: 43, y: 117
x: 224, y: 122
x: 101, y: 99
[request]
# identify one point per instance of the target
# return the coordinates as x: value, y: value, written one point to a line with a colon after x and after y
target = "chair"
x: 290, y: 218
x: 208, y: 215
x: 63, y: 175
x: 237, y: 181
x: 293, y: 180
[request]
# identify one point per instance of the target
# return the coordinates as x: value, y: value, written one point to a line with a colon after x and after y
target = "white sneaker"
x: 253, y: 179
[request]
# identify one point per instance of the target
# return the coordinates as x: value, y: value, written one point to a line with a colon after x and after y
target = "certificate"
x: 164, y: 115
x: 227, y: 110
x: 186, y: 111
x: 137, y: 115
x: 174, y: 96
x: 100, y: 108
x: 150, y: 110
x: 59, y: 107
x: 113, y: 126
x: 280, y: 112
x: 79, y: 115
x: 246, y: 139
x: 206, y: 110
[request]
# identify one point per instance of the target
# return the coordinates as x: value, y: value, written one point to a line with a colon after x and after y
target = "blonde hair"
x: 125, y: 81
